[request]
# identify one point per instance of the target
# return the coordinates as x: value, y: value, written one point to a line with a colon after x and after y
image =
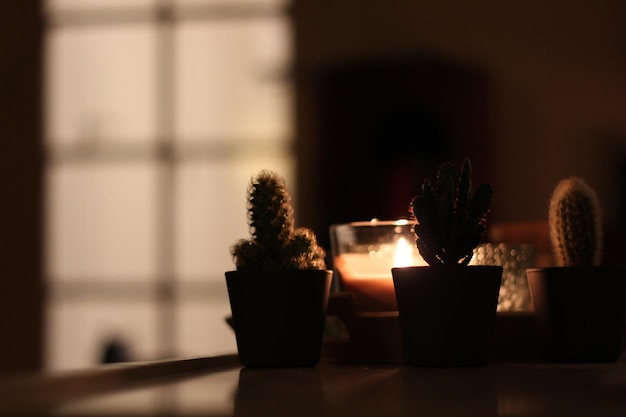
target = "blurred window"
x: 158, y: 113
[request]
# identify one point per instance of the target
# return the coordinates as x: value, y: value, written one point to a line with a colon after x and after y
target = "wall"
x: 556, y: 70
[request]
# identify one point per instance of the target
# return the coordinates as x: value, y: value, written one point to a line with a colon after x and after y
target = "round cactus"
x: 575, y: 226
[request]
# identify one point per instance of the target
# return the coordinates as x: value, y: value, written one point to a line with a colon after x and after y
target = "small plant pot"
x: 579, y: 312
x: 278, y: 316
x: 447, y: 314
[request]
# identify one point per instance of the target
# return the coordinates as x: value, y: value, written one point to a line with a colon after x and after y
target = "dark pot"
x: 278, y: 316
x: 579, y: 312
x: 447, y: 313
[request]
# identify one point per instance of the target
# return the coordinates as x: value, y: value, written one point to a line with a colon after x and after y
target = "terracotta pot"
x: 278, y: 316
x: 579, y: 312
x: 447, y: 314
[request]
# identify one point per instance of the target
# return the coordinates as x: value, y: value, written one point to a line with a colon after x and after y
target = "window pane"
x: 61, y: 5
x: 211, y: 212
x: 229, y: 80
x: 230, y: 2
x: 79, y: 329
x: 101, y: 221
x: 216, y: 336
x: 101, y: 83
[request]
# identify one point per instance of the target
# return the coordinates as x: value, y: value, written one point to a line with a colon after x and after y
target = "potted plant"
x: 579, y: 304
x: 280, y: 288
x: 447, y: 310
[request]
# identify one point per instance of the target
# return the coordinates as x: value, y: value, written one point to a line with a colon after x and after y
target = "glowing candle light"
x: 404, y: 254
x: 364, y: 265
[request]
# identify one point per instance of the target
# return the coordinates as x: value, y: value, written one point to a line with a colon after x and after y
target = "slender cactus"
x: 275, y: 243
x: 450, y: 216
x: 575, y: 226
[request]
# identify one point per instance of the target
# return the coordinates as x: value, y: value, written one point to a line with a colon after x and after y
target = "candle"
x: 365, y: 252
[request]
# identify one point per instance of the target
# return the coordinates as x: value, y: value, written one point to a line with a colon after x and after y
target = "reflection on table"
x: 220, y: 387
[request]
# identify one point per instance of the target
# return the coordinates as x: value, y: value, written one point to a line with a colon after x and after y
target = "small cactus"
x: 275, y: 243
x: 450, y: 216
x: 575, y: 226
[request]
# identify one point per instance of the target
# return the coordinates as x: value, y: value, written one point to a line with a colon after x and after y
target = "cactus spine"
x: 575, y: 226
x: 275, y: 243
x: 450, y: 216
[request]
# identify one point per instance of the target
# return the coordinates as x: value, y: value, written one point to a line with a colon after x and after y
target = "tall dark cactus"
x: 275, y: 243
x: 575, y: 227
x: 450, y: 216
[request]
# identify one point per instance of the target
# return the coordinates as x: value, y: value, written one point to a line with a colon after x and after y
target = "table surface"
x: 218, y: 386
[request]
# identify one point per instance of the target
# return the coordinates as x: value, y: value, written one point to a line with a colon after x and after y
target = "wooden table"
x: 218, y: 386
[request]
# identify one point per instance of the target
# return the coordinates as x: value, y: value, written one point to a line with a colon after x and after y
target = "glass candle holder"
x: 363, y: 255
x: 514, y: 259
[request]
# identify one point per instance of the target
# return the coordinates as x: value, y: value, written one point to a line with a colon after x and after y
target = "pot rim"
x: 281, y: 271
x: 424, y: 267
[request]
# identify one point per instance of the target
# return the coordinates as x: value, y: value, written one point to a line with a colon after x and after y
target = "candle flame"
x: 404, y: 254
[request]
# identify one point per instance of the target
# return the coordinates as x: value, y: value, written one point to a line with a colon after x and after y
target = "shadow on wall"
x: 386, y: 125
x: 115, y: 350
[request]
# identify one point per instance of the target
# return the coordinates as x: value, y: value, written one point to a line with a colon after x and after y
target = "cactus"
x: 575, y: 227
x: 275, y: 243
x: 450, y: 216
